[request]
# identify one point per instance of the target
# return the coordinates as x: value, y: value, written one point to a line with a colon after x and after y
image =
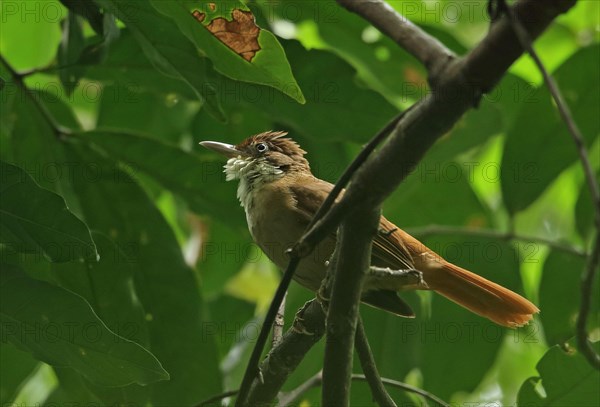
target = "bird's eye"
x: 261, y: 147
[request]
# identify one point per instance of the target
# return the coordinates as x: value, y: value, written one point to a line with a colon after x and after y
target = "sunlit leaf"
x: 263, y: 63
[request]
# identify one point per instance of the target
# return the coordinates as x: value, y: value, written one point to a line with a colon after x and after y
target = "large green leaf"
x: 268, y: 67
x: 60, y: 328
x: 159, y: 115
x: 117, y: 207
x: 30, y: 142
x: 200, y: 182
x: 128, y: 69
x: 333, y: 97
x: 35, y: 219
x: 567, y: 380
x: 169, y: 50
x: 538, y: 146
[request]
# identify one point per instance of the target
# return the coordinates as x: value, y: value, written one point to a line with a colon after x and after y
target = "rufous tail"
x: 481, y: 296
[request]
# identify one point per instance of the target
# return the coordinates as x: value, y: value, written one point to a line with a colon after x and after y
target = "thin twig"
x: 425, y: 48
x: 369, y: 367
x: 564, y: 111
x: 587, y: 278
x: 406, y: 387
x: 278, y: 324
x: 433, y: 230
x: 217, y: 397
x: 58, y: 129
x: 292, y: 396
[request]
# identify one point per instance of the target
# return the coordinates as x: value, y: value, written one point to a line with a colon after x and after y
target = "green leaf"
x: 170, y: 51
x: 567, y: 379
x: 116, y: 206
x: 165, y: 116
x: 268, y: 67
x: 36, y: 219
x: 539, y: 147
x: 200, y: 182
x: 560, y: 297
x: 61, y: 329
x: 32, y: 143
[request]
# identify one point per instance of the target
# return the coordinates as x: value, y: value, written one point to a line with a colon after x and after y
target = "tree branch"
x: 464, y: 80
x: 354, y: 244
x: 369, y: 368
x: 425, y: 48
x: 433, y: 230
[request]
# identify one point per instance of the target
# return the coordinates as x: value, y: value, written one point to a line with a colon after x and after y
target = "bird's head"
x: 263, y: 157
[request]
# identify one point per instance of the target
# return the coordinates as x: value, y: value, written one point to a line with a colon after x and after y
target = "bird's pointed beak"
x: 228, y: 150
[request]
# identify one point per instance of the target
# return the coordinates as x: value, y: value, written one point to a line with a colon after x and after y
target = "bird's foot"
x: 401, y: 278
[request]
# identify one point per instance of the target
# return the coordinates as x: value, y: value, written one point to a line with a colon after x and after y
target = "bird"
x: 280, y: 195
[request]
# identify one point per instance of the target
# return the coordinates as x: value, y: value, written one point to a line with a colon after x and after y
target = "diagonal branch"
x: 464, y: 81
x: 424, y: 47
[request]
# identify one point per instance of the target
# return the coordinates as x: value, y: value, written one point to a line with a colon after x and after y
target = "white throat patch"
x: 252, y: 173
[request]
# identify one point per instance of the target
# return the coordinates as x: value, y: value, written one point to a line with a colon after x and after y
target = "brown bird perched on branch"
x: 280, y: 195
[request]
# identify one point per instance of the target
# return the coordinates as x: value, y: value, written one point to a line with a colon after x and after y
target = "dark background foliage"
x: 128, y: 274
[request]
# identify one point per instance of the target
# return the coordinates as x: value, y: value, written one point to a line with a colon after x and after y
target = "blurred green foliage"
x: 168, y: 311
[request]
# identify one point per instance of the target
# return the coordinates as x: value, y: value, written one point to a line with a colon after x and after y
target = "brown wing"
x: 388, y: 250
x: 309, y: 193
